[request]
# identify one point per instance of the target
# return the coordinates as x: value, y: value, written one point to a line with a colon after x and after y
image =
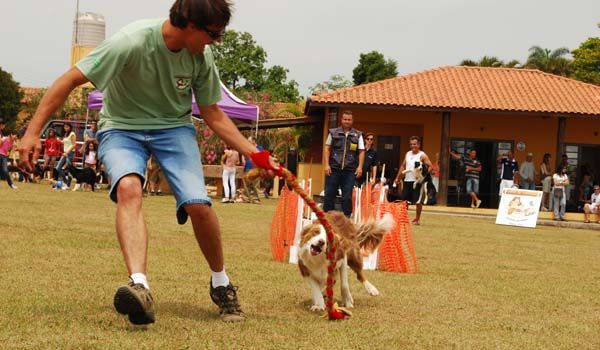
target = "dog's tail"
x: 370, y: 233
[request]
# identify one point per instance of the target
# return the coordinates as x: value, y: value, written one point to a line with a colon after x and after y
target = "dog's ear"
x: 309, y: 232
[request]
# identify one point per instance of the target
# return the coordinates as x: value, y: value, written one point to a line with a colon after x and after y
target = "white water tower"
x: 89, y: 30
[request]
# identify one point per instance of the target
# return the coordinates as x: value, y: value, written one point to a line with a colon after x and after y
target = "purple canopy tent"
x: 230, y: 104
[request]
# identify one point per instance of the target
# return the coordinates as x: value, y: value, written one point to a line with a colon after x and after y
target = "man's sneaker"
x: 14, y: 187
x: 416, y: 222
x: 478, y: 203
x: 226, y: 299
x: 135, y: 301
x: 225, y: 200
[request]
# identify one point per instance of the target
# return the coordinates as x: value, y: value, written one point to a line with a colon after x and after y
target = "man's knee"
x: 129, y: 188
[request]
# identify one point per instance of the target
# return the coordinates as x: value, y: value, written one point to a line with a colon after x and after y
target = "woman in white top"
x: 229, y: 160
x: 560, y: 180
x: 69, y: 141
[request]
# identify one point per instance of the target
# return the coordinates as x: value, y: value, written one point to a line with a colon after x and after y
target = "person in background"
x: 410, y: 193
x: 586, y: 188
x: 560, y: 180
x: 435, y: 172
x: 472, y: 171
x: 91, y: 155
x: 51, y: 152
x: 229, y: 160
x: 508, y: 171
x: 592, y: 206
x: 342, y: 163
x: 6, y: 144
x: 89, y: 136
x: 69, y: 141
x: 527, y: 172
x: 251, y: 186
x: 546, y: 178
x: 370, y: 163
x: 154, y: 176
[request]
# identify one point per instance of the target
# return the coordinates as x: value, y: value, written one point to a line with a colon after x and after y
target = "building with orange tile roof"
x: 490, y: 110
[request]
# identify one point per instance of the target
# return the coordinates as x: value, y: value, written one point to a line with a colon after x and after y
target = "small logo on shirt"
x: 183, y: 83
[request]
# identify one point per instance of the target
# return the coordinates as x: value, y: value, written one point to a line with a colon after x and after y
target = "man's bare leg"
x: 208, y: 234
x: 419, y: 209
x: 134, y: 299
x: 131, y: 227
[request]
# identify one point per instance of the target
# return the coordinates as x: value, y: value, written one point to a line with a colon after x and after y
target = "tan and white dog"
x: 349, y: 239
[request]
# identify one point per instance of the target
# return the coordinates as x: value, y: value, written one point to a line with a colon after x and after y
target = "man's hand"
x: 327, y: 170
x: 358, y: 173
x: 29, y: 151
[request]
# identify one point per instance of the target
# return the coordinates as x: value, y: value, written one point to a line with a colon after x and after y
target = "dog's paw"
x: 371, y: 289
x: 316, y: 308
x: 348, y: 303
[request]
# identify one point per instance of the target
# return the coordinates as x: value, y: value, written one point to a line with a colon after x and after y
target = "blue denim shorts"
x: 472, y: 185
x: 125, y: 152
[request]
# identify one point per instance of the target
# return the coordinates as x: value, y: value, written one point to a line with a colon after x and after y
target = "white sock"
x: 219, y: 279
x: 140, y: 278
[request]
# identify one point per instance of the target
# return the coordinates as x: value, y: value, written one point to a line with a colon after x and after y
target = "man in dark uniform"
x: 343, y: 163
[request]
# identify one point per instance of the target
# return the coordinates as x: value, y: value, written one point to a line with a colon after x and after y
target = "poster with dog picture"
x: 519, y: 207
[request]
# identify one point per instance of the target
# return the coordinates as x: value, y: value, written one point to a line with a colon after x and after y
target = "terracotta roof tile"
x: 481, y: 88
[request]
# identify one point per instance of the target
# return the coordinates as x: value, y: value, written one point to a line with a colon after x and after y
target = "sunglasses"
x: 369, y: 139
x: 214, y: 35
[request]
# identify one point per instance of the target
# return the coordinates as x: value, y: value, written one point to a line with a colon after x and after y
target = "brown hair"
x: 347, y: 112
x: 417, y: 138
x: 200, y: 13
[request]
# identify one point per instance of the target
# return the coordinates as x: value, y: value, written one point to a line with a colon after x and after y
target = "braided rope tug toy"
x: 261, y: 160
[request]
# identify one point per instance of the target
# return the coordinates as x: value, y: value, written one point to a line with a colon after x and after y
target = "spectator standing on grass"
x: 91, y: 156
x: 546, y: 177
x: 6, y: 144
x: 435, y: 172
x: 508, y: 171
x: 154, y: 176
x: 149, y: 72
x: 51, y: 153
x: 343, y: 163
x: 251, y: 186
x: 229, y: 161
x: 68, y: 141
x: 592, y: 206
x: 472, y: 171
x: 527, y: 172
x: 370, y: 163
x: 560, y: 180
x: 410, y: 193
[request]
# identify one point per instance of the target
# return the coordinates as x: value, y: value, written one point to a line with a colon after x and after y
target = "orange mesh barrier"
x: 283, y: 226
x: 397, y: 252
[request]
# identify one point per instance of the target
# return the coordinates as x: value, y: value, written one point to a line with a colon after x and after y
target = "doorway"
x: 487, y: 153
x: 388, y: 153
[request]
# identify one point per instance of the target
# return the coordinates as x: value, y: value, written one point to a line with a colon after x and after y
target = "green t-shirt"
x: 145, y: 85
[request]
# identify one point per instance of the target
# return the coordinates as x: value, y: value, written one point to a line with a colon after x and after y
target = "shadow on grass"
x: 187, y: 310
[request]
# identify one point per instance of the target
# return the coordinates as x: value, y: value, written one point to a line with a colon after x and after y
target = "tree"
x: 491, y: 61
x: 549, y: 61
x: 335, y: 82
x: 586, y: 62
x: 278, y: 87
x: 10, y: 99
x: 373, y: 66
x: 242, y: 67
x: 240, y: 60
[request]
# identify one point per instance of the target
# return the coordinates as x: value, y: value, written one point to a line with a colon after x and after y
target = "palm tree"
x: 490, y: 61
x: 549, y: 61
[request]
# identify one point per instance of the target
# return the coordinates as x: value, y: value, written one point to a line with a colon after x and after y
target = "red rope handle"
x: 261, y: 159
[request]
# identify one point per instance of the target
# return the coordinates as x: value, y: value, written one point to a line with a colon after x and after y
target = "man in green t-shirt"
x: 148, y: 72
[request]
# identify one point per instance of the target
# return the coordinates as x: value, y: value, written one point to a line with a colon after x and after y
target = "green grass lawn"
x: 480, y: 286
